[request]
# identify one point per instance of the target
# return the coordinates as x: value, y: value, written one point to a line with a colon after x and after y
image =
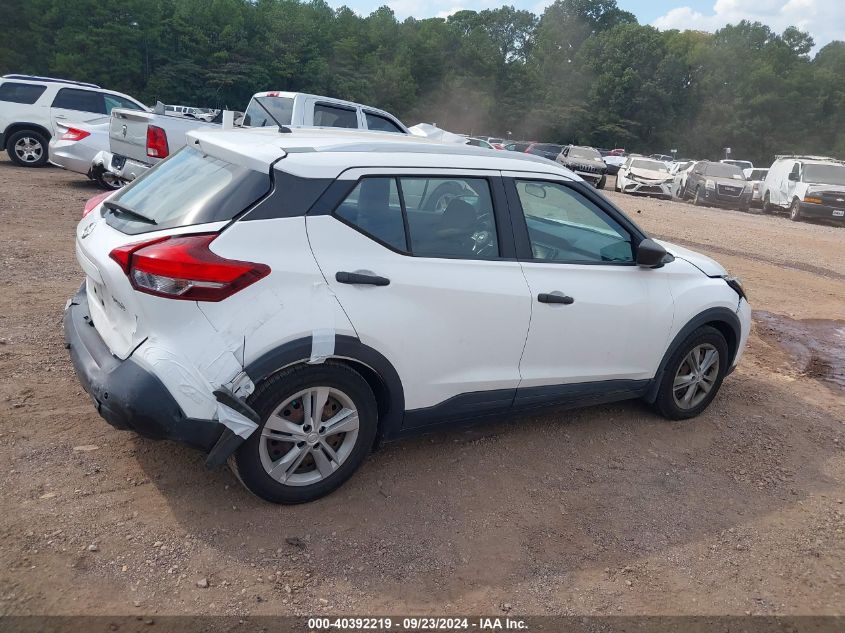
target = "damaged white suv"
x: 287, y: 300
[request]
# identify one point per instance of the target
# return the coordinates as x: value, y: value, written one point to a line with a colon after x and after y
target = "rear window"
x: 20, y: 93
x: 186, y: 189
x: 269, y: 112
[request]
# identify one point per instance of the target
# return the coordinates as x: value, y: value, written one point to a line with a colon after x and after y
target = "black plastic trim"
x: 711, y: 315
x: 291, y: 196
x: 345, y: 347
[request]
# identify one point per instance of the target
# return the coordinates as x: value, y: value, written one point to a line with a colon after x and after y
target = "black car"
x: 711, y: 183
x: 586, y: 162
x: 546, y: 150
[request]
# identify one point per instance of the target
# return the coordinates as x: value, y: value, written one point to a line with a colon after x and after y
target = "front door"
x: 425, y: 270
x: 596, y: 315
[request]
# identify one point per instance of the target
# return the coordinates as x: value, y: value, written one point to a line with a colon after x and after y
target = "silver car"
x: 76, y: 147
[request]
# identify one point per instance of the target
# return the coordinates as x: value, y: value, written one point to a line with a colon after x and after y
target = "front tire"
x: 693, y: 375
x: 697, y: 201
x: 27, y: 148
x: 318, y: 423
x: 795, y: 211
x: 601, y: 183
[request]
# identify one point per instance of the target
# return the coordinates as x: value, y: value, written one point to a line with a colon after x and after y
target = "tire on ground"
x: 38, y: 138
x: 272, y: 392
x: 665, y: 403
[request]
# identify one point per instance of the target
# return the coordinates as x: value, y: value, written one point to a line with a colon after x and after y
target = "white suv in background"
x: 33, y: 109
x: 286, y: 300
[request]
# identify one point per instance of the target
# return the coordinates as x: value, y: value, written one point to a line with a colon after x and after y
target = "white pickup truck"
x: 138, y: 140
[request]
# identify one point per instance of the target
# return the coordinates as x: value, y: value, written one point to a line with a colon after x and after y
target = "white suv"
x: 32, y: 110
x: 286, y: 300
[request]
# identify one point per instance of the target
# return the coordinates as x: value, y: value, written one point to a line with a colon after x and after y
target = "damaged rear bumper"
x: 130, y: 397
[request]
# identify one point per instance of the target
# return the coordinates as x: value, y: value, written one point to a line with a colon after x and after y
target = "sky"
x: 823, y: 19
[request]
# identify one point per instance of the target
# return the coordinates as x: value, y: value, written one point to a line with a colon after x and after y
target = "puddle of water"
x: 816, y: 345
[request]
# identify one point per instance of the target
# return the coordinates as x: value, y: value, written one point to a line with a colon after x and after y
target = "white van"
x: 806, y: 186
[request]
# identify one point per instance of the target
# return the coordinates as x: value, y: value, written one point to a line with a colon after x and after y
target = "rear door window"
x: 381, y: 124
x: 269, y: 112
x: 326, y: 115
x: 186, y: 189
x: 115, y: 101
x: 80, y: 100
x: 20, y: 93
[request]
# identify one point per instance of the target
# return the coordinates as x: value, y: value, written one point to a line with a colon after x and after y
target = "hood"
x: 707, y: 265
x: 650, y: 174
x: 813, y: 188
x: 726, y: 180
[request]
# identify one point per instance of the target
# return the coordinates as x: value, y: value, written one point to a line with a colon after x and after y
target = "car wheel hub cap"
x: 28, y: 149
x: 696, y: 376
x: 309, y: 436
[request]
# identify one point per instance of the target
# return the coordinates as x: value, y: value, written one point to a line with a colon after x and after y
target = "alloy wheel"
x: 309, y: 436
x: 696, y: 376
x: 28, y: 149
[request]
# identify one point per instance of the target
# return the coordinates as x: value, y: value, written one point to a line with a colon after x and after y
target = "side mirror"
x: 650, y: 254
x: 793, y: 176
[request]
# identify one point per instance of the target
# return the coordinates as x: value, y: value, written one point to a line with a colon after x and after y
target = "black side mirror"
x: 651, y: 254
x: 793, y: 176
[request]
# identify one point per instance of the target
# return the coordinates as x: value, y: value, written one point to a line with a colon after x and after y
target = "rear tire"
x: 27, y: 148
x: 106, y: 180
x: 682, y: 394
x: 299, y: 460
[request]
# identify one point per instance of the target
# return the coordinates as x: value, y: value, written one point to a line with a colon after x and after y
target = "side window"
x: 443, y: 217
x: 333, y: 116
x: 381, y: 124
x: 450, y: 217
x: 114, y: 101
x: 81, y: 100
x: 564, y: 226
x: 20, y: 93
x: 374, y: 208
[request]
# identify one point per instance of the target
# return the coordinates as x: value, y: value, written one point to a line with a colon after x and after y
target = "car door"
x: 74, y: 105
x: 423, y: 264
x: 597, y: 318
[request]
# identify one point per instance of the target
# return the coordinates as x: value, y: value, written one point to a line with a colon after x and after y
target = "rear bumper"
x: 72, y: 156
x: 126, y: 395
x: 822, y: 211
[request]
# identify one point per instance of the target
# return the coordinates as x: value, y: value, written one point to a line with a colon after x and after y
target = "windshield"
x: 757, y: 174
x: 269, y: 111
x: 584, y: 152
x: 824, y: 174
x: 645, y: 163
x: 188, y: 188
x: 723, y: 170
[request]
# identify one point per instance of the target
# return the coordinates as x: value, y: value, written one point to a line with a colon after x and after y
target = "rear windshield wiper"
x: 116, y: 207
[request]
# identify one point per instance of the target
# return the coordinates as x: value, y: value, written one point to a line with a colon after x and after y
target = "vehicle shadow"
x: 557, y: 496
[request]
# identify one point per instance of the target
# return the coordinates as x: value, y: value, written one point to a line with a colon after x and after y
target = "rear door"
x: 596, y: 315
x: 74, y: 105
x: 423, y: 264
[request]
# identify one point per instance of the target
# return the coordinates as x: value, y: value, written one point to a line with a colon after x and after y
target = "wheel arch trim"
x: 724, y: 319
x: 390, y: 394
x: 19, y: 126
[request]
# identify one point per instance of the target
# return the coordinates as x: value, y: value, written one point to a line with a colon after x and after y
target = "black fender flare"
x: 346, y: 349
x: 724, y: 317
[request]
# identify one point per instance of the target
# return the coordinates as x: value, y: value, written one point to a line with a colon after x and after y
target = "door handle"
x: 544, y: 297
x: 61, y: 116
x: 361, y: 279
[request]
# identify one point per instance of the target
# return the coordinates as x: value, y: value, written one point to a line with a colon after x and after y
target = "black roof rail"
x: 50, y: 80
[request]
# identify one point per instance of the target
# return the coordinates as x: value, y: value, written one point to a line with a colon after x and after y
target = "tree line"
x: 584, y: 71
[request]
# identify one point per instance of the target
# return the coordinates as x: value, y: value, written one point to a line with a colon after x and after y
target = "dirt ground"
x: 605, y: 510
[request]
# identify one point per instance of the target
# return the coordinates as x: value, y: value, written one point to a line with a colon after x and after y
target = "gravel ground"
x: 604, y: 510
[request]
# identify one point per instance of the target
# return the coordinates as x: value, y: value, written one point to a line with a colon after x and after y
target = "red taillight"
x: 93, y: 202
x: 157, y: 142
x: 74, y: 134
x: 183, y: 267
